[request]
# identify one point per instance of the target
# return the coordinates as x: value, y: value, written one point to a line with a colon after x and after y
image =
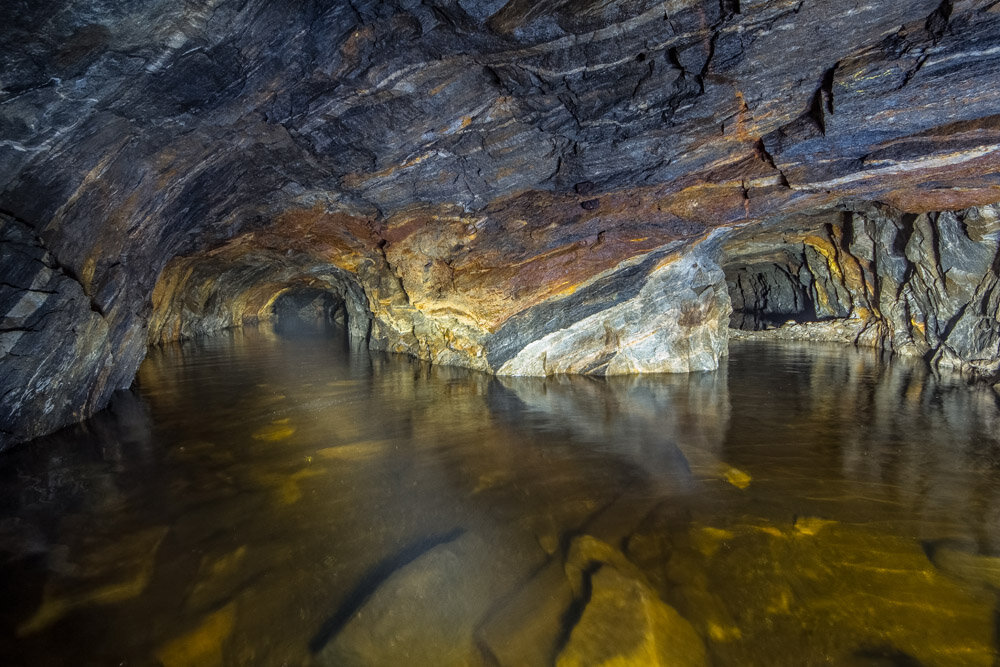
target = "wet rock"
x: 56, y: 353
x: 676, y: 322
x: 427, y: 612
x: 922, y: 285
x: 625, y: 623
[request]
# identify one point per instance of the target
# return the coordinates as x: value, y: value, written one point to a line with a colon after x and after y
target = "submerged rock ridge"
x: 517, y: 187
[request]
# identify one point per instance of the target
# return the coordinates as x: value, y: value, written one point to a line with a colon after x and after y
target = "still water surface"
x: 265, y: 500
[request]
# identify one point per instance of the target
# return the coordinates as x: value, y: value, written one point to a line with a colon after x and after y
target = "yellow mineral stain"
x: 202, y: 646
x: 827, y: 249
x: 811, y: 525
x: 274, y: 432
x: 289, y: 491
x: 770, y: 530
x: 286, y: 487
x: 707, y: 539
x: 213, y: 574
x: 490, y: 480
x: 56, y: 604
x: 355, y: 451
x: 718, y: 633
x: 226, y: 564
x: 737, y: 477
x: 782, y: 604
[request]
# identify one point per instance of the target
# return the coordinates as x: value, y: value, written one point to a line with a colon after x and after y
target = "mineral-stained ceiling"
x: 520, y: 187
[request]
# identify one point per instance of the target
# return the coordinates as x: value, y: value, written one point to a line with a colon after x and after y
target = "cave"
x: 772, y: 291
x: 499, y: 332
x: 310, y: 306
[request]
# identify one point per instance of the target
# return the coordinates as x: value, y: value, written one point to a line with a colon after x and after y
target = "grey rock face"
x: 60, y: 355
x: 676, y: 322
x: 921, y: 285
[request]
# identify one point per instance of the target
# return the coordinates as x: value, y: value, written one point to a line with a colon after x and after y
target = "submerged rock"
x: 427, y: 612
x: 625, y: 623
x: 204, y: 645
x: 820, y: 591
x: 107, y: 572
x: 965, y: 564
x: 526, y: 628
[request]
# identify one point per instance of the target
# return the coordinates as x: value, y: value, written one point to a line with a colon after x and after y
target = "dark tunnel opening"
x: 792, y: 284
x: 310, y: 310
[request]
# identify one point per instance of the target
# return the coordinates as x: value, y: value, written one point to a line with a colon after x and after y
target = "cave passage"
x: 769, y: 295
x: 794, y: 287
x: 309, y: 308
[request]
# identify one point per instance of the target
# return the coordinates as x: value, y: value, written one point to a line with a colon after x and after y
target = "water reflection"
x: 266, y: 499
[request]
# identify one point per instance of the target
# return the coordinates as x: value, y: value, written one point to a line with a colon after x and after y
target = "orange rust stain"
x: 504, y: 172
x: 742, y: 118
x: 708, y: 203
x: 913, y: 200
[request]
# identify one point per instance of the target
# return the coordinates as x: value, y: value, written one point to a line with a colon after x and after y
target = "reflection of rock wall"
x: 924, y: 442
x: 925, y: 285
x: 668, y: 425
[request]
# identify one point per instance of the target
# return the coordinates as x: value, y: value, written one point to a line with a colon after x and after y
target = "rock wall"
x: 923, y: 285
x: 63, y: 353
x: 482, y: 178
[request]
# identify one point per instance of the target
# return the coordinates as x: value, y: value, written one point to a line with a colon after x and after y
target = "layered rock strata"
x: 924, y: 285
x: 516, y: 187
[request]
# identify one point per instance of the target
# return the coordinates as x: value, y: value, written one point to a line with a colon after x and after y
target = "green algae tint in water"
x: 261, y: 500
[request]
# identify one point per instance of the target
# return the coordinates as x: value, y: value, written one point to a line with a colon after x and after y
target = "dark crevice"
x: 574, y: 612
x: 26, y: 289
x: 728, y: 8
x: 886, y: 655
x: 937, y: 22
x: 370, y: 582
x: 822, y: 102
x: 763, y: 154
